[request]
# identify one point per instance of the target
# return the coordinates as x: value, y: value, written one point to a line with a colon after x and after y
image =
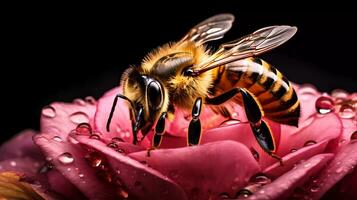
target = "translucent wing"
x: 253, y: 44
x: 212, y: 28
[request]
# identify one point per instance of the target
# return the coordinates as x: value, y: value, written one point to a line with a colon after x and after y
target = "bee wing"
x: 250, y: 45
x: 212, y: 28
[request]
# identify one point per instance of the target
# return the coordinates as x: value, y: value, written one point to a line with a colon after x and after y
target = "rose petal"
x: 58, y: 119
x: 25, y: 165
x: 65, y: 156
x: 207, y: 170
x: 59, y: 184
x: 120, y: 125
x: 21, y: 145
x: 282, y: 187
x: 320, y: 128
x: 343, y: 163
x: 291, y: 159
x: 307, y: 95
x: 141, y: 181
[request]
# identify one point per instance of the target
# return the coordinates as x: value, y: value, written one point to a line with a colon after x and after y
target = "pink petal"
x: 242, y: 133
x: 343, y: 163
x: 69, y: 160
x: 21, y: 145
x: 290, y: 160
x: 59, y: 184
x: 319, y: 128
x: 141, y: 181
x: 120, y: 125
x: 207, y: 170
x: 349, y: 127
x: 24, y: 165
x: 307, y: 95
x: 58, y: 119
x: 283, y: 187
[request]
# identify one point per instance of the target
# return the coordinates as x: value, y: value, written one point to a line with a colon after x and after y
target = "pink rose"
x: 81, y: 160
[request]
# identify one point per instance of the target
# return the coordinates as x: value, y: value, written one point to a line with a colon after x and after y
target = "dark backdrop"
x: 61, y: 53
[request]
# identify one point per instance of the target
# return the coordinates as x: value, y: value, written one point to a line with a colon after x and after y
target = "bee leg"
x: 159, y: 132
x: 194, y: 129
x: 260, y: 128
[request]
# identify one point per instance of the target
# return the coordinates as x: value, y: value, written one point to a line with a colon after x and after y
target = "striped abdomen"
x: 272, y: 89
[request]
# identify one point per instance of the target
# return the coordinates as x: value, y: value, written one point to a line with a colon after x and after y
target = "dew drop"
x: 354, y: 135
x: 91, y: 100
x: 106, y: 176
x: 347, y: 111
x: 255, y: 154
x: 230, y: 122
x: 79, y: 117
x: 95, y: 137
x: 314, y: 188
x: 49, y: 111
x: 261, y: 179
x: 69, y: 169
x: 94, y: 159
x: 48, y: 166
x: 122, y: 151
x: 339, y: 170
x: 117, y: 139
x: 118, y: 171
x: 79, y: 101
x: 307, y: 165
x: 84, y: 129
x: 243, y: 193
x: 122, y: 193
x: 309, y: 143
x: 113, y: 145
x: 234, y: 115
x: 13, y: 163
x: 324, y: 105
x: 57, y: 139
x: 224, y: 195
x: 66, y: 158
x: 81, y: 175
x: 293, y: 150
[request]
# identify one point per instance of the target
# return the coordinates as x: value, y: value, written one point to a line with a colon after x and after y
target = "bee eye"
x: 155, y: 95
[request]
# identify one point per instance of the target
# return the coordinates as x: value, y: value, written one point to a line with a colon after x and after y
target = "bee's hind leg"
x: 159, y: 133
x: 194, y: 129
x: 253, y: 111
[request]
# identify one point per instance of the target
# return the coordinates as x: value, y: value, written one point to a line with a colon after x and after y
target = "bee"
x: 186, y: 75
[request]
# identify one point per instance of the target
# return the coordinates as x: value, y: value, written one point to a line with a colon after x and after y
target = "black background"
x: 58, y: 53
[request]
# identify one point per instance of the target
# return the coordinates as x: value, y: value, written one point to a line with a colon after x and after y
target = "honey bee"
x: 186, y: 74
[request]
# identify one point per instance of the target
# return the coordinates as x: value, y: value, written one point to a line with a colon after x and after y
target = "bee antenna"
x: 113, y: 108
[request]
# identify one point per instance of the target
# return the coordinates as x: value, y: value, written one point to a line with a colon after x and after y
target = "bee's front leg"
x: 194, y: 129
x: 159, y: 132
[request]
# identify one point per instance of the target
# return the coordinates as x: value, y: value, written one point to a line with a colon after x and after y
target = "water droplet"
x: 339, y: 94
x: 243, y: 193
x: 49, y: 111
x: 106, y: 176
x: 224, y: 195
x: 293, y: 150
x: 307, y: 165
x: 79, y: 117
x: 314, y: 188
x: 69, y: 169
x: 95, y: 137
x: 57, y: 139
x: 46, y: 167
x: 118, y: 171
x: 81, y: 175
x: 117, y: 139
x: 79, y: 102
x: 324, y: 105
x: 91, y: 100
x: 13, y: 163
x: 234, y: 115
x: 113, y: 145
x: 66, y: 158
x: 84, y: 129
x: 122, y: 193
x: 354, y: 135
x: 261, y: 179
x: 94, y: 159
x: 347, y: 111
x: 122, y: 151
x: 230, y: 122
x: 309, y: 143
x: 255, y: 154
